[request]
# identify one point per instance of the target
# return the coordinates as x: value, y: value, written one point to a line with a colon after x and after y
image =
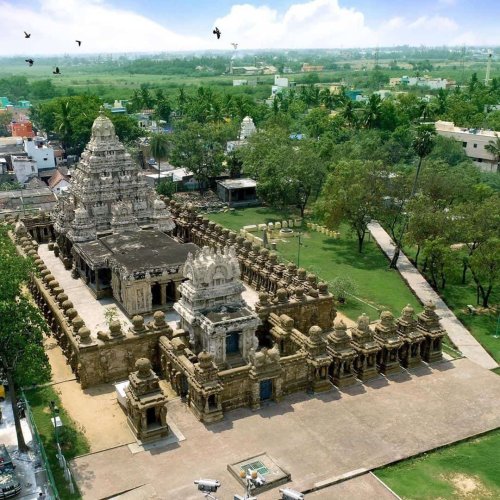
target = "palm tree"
x: 64, y: 126
x: 158, y: 145
x: 493, y: 147
x: 422, y: 145
x: 326, y: 98
x: 349, y: 114
x: 372, y: 111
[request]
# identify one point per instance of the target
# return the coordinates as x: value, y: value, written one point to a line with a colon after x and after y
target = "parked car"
x: 10, y: 485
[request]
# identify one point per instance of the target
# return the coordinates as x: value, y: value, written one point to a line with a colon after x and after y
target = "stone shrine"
x: 113, y: 230
x: 212, y: 309
x: 146, y: 403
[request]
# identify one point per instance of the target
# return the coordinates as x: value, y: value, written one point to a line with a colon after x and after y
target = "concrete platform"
x: 316, y: 438
x: 363, y: 487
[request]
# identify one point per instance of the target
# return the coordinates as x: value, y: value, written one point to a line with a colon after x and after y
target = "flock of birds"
x: 57, y: 71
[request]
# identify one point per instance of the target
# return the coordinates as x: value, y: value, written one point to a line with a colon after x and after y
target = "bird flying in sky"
x: 235, y: 45
x: 216, y: 31
x: 30, y: 61
x: 79, y: 42
x: 27, y: 35
x: 56, y: 72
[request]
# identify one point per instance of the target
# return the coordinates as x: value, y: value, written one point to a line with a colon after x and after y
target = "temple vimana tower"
x: 151, y: 256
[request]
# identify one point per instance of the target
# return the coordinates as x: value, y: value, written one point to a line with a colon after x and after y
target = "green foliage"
x: 21, y: 323
x: 126, y: 128
x: 288, y: 172
x: 200, y: 149
x: 9, y: 186
x: 353, y: 192
x: 5, y: 119
x: 342, y: 286
x: 166, y: 188
x: 70, y: 118
x: 73, y: 440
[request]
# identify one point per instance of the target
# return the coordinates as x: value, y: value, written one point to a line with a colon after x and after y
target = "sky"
x: 107, y: 26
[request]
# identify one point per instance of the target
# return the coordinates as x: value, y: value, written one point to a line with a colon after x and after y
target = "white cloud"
x: 55, y: 24
x: 104, y: 28
x: 326, y: 23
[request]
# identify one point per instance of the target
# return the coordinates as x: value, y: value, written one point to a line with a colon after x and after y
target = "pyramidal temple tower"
x: 105, y: 181
x: 114, y: 232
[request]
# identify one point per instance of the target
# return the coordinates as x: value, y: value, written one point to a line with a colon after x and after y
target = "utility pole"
x: 488, y: 68
x: 298, y: 249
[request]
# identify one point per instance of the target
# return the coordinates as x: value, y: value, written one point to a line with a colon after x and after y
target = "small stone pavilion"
x: 113, y: 231
x: 146, y: 403
x: 212, y: 309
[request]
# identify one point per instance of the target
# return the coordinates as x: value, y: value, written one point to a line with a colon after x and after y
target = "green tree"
x: 126, y: 128
x: 493, y: 147
x: 22, y: 357
x: 353, y: 192
x: 200, y: 149
x: 422, y: 145
x: 5, y: 119
x: 70, y: 118
x: 485, y: 268
x: 372, y: 111
x: 159, y: 147
x: 287, y: 172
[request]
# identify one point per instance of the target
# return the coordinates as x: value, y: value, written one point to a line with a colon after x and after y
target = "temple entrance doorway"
x: 266, y: 389
x: 170, y: 291
x: 150, y: 416
x: 156, y: 293
x: 232, y: 341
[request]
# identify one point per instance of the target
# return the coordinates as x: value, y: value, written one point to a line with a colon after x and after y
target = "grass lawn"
x: 73, y: 442
x: 378, y: 287
x: 483, y: 326
x: 468, y: 469
x: 236, y: 219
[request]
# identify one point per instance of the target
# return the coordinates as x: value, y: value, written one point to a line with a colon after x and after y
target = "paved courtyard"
x: 317, y: 438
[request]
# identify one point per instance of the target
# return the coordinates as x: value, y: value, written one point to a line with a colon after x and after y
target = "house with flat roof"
x: 238, y: 192
x: 474, y: 142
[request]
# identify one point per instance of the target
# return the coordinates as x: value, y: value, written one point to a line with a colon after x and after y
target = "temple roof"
x: 148, y: 249
x: 103, y: 128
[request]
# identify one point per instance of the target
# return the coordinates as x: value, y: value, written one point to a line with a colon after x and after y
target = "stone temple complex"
x: 111, y: 228
x: 219, y: 353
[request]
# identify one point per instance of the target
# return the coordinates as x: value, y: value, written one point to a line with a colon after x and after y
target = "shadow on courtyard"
x: 84, y: 475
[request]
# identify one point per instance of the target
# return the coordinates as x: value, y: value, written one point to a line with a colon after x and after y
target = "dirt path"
x: 96, y: 410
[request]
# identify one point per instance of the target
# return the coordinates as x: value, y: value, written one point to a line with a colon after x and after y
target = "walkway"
x: 317, y: 438
x: 457, y: 332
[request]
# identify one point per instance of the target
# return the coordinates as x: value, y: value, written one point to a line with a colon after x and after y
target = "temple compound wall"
x: 226, y: 356
x: 94, y: 357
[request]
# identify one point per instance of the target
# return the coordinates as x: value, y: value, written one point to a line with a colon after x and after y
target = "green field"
x: 378, y: 287
x: 110, y: 81
x: 73, y: 441
x: 484, y: 326
x: 464, y: 470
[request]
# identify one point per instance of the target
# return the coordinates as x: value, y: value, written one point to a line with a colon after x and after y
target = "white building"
x: 280, y: 83
x: 24, y: 168
x: 43, y: 155
x: 247, y: 129
x: 473, y: 141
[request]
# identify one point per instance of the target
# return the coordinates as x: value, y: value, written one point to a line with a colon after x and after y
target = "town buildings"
x: 473, y: 141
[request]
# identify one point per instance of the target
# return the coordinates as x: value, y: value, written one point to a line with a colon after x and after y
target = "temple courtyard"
x: 318, y: 438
